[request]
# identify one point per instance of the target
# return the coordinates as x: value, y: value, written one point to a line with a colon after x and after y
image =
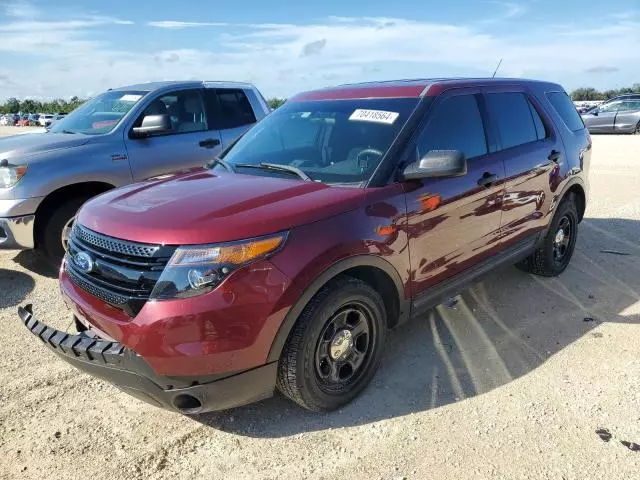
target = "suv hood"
x: 208, y: 207
x: 19, y: 146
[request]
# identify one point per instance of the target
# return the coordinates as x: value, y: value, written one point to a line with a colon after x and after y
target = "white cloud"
x: 20, y: 9
x: 65, y: 58
x: 176, y: 25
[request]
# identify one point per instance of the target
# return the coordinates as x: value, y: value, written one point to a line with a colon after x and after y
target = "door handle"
x: 209, y: 143
x: 554, y: 156
x: 487, y: 179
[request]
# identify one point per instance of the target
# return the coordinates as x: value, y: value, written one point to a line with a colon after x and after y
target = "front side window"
x: 609, y: 107
x: 513, y: 115
x: 331, y: 141
x: 454, y: 124
x: 185, y: 109
x: 98, y: 115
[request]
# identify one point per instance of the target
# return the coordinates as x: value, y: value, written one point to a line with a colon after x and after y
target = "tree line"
x: 13, y: 105
x: 588, y: 93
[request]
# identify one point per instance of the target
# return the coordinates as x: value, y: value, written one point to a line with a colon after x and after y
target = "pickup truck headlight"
x: 10, y: 175
x: 195, y: 270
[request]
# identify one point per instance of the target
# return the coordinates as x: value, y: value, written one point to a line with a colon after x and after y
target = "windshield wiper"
x: 278, y: 167
x: 218, y: 161
x: 68, y: 132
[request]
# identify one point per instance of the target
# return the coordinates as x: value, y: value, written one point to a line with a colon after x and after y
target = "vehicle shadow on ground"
x: 36, y: 262
x: 14, y: 287
x: 500, y: 329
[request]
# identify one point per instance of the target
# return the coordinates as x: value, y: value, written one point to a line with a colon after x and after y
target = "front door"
x: 454, y: 222
x: 603, y: 118
x: 190, y: 143
x: 628, y: 116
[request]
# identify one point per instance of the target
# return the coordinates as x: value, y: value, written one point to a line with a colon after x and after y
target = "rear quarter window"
x: 566, y: 109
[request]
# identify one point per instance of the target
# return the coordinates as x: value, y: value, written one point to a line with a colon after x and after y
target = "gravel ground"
x: 513, y: 382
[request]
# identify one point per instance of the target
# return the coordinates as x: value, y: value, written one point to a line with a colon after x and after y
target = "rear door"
x: 531, y: 152
x: 628, y: 116
x: 230, y: 112
x: 454, y: 222
x: 190, y: 143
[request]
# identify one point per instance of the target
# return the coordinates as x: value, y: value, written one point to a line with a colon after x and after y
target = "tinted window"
x: 609, y: 107
x: 540, y: 130
x: 185, y: 109
x: 566, y: 109
x: 629, y: 106
x: 234, y: 109
x: 455, y: 124
x: 512, y: 115
x: 332, y: 141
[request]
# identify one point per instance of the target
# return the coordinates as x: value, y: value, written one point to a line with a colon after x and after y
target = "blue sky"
x: 62, y: 48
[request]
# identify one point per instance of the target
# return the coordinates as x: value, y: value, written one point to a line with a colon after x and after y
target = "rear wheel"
x: 54, y: 234
x: 335, y: 347
x: 637, y: 129
x: 556, y: 250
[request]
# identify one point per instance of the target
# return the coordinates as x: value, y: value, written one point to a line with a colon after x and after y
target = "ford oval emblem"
x: 84, y: 262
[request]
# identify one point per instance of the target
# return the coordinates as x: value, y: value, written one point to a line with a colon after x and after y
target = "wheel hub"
x: 341, y: 344
x: 559, y: 237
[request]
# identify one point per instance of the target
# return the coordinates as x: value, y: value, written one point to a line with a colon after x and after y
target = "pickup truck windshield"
x: 331, y: 141
x: 100, y: 114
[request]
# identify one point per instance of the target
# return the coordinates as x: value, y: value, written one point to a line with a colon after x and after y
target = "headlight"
x: 198, y: 269
x: 10, y: 175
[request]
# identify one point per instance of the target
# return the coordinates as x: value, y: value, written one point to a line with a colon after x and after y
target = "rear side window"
x: 455, y: 124
x: 514, y: 115
x: 566, y: 109
x: 234, y: 109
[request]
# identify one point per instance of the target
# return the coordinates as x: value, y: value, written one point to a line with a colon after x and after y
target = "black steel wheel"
x: 553, y: 254
x: 335, y: 346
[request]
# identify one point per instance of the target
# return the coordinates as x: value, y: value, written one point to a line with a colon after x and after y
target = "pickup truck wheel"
x: 55, y: 232
x: 335, y: 347
x: 556, y: 250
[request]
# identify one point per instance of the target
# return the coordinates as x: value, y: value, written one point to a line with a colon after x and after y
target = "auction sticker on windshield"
x: 377, y: 116
x: 130, y: 98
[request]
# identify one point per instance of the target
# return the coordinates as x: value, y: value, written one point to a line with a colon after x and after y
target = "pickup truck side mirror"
x: 437, y: 163
x: 152, y: 124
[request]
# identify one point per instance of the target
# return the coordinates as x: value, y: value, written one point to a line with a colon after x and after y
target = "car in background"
x: 33, y: 119
x: 7, y: 120
x: 616, y: 116
x: 122, y: 136
x: 45, y: 119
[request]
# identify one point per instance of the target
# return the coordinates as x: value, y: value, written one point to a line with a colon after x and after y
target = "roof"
x: 412, y: 88
x: 152, y: 86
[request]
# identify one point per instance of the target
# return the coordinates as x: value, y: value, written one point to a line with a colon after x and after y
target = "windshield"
x: 100, y: 114
x: 331, y: 141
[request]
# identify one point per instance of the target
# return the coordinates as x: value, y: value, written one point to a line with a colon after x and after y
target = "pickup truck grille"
x: 122, y: 274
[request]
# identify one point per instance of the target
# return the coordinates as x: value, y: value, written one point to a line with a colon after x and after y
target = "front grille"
x: 124, y: 272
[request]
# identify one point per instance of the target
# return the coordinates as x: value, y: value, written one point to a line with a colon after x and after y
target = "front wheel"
x: 552, y: 257
x: 54, y: 234
x: 335, y: 347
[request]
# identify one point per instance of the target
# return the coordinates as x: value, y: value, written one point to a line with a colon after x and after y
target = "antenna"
x: 496, y: 70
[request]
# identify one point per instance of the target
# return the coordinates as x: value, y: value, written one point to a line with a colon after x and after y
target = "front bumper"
x: 17, y: 232
x: 131, y: 373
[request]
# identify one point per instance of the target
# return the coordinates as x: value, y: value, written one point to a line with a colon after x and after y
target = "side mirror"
x: 437, y: 163
x: 152, y: 124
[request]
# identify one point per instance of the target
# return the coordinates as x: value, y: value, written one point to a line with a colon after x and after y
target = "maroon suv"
x: 342, y: 214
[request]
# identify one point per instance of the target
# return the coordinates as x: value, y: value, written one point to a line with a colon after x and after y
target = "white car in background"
x: 45, y: 119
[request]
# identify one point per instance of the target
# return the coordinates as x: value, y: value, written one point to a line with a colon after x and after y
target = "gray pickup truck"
x: 122, y: 136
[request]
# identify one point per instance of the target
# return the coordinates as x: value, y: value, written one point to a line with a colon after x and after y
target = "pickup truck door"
x: 230, y: 112
x: 191, y: 142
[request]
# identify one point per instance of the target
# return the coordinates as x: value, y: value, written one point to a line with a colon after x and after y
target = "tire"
x: 50, y: 240
x: 308, y: 372
x: 550, y: 259
x: 636, y: 131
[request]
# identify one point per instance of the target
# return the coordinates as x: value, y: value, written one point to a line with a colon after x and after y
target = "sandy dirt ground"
x: 512, y: 383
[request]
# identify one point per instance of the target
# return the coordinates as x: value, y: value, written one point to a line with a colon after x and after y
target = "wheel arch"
x: 577, y: 189
x: 375, y: 271
x: 62, y: 194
